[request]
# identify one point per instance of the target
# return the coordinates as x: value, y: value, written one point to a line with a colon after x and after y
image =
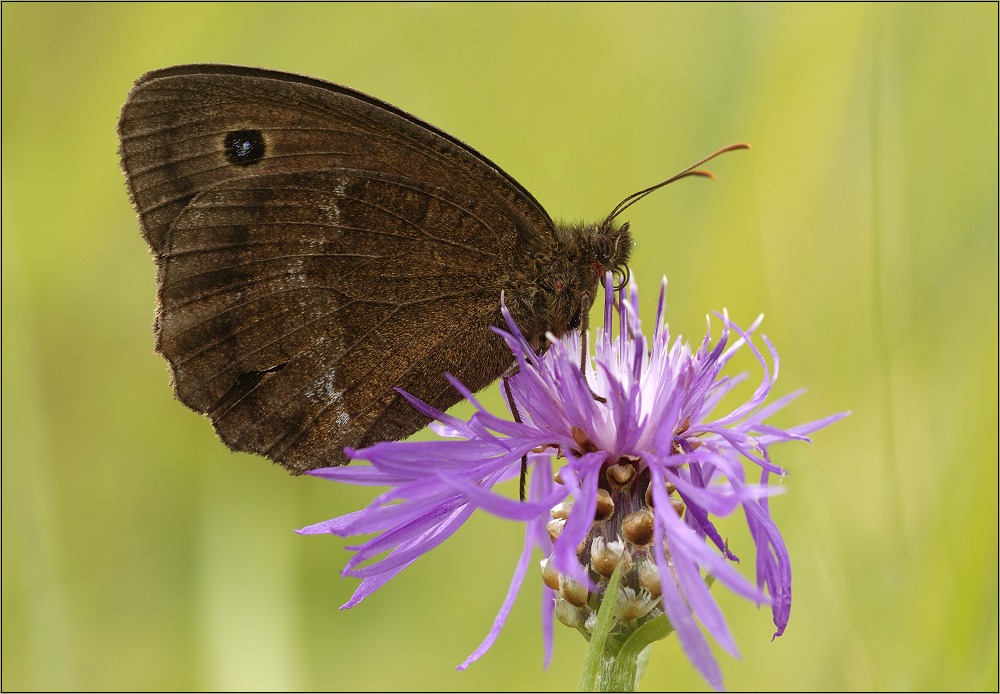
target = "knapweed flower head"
x: 629, y: 462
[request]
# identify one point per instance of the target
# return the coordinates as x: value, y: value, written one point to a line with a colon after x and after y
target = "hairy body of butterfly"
x: 317, y: 248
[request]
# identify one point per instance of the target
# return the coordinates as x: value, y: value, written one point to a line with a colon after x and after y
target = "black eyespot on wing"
x: 244, y: 147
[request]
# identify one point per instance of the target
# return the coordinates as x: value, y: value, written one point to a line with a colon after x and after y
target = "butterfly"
x: 318, y: 249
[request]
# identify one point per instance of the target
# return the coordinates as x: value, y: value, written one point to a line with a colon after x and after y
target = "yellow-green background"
x: 138, y: 553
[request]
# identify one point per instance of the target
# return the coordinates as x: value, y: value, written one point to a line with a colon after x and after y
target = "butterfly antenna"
x: 692, y: 170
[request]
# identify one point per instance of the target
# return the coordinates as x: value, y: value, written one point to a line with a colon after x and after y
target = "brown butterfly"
x: 317, y: 248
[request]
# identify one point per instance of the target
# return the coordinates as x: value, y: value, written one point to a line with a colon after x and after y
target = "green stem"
x: 611, y: 665
x: 594, y: 664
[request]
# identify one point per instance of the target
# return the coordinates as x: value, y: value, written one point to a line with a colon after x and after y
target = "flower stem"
x: 612, y: 665
x: 596, y: 666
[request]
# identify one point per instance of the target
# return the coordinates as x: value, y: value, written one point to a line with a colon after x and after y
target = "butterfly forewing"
x: 175, y: 122
x: 317, y: 249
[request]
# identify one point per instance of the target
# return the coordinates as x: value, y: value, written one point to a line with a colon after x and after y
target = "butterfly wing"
x: 316, y: 249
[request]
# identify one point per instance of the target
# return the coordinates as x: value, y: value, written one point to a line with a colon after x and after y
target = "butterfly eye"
x: 603, y: 247
x: 244, y: 147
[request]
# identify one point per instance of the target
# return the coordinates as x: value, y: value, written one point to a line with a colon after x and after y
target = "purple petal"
x: 679, y: 614
x: 333, y: 526
x: 515, y: 585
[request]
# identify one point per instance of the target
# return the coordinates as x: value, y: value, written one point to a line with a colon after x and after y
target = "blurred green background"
x: 138, y: 553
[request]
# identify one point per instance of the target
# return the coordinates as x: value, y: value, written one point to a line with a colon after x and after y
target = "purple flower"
x: 646, y: 463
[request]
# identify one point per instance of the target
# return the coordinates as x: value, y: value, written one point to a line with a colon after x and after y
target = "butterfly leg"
x: 584, y: 331
x: 517, y: 418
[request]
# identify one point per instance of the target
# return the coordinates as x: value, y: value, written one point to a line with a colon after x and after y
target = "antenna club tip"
x: 692, y: 170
